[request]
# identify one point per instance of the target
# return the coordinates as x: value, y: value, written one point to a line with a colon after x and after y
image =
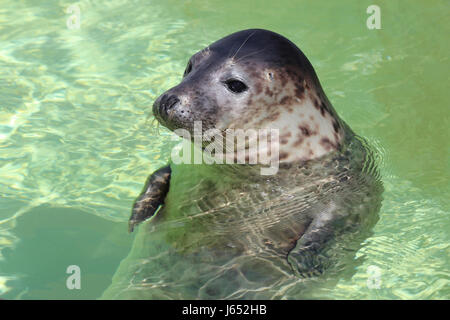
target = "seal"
x: 226, y: 231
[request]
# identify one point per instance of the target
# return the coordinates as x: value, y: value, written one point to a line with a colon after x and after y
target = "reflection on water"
x: 75, y: 131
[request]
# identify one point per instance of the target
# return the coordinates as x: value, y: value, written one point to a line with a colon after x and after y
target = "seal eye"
x: 236, y: 86
x: 188, y: 69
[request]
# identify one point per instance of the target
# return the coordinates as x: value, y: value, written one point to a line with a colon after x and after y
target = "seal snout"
x: 164, y: 104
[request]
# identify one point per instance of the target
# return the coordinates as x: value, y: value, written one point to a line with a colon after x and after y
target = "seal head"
x: 255, y: 79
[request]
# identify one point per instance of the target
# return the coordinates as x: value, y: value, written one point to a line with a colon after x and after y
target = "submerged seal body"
x: 226, y: 231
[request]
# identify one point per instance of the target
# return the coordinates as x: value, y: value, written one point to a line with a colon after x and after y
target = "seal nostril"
x: 167, y: 102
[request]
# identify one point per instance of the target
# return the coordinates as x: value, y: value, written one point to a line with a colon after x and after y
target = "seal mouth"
x: 167, y: 119
x: 157, y: 115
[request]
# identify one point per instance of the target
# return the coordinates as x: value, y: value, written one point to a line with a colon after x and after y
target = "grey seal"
x: 226, y: 231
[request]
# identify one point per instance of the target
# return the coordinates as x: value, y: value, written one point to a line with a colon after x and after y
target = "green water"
x: 77, y: 142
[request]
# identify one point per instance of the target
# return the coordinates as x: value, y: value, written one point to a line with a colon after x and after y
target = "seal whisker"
x: 245, y: 41
x: 156, y: 127
x: 148, y: 117
x: 247, y: 55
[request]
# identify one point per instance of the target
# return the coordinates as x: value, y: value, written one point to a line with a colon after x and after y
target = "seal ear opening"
x: 188, y: 69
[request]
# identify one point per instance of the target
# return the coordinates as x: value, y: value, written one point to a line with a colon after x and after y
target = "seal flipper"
x: 151, y: 198
x: 307, y: 257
